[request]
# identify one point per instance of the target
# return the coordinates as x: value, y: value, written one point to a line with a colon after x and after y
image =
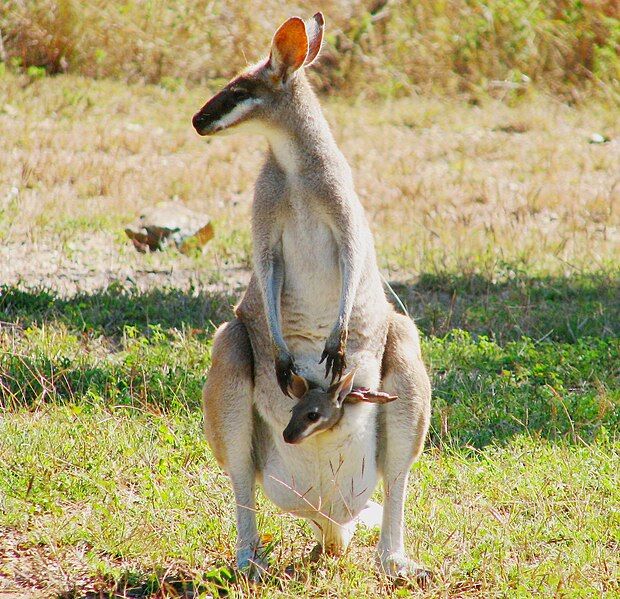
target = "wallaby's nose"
x: 200, y: 121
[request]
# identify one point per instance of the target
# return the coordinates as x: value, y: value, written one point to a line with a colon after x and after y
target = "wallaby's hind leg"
x: 404, y: 424
x: 228, y: 423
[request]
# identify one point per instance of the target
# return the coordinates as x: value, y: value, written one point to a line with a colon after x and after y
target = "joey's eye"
x: 313, y: 416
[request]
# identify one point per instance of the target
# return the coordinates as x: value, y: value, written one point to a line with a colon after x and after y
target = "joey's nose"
x: 289, y: 436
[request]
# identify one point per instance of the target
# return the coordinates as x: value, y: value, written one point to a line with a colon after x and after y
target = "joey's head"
x: 257, y: 93
x: 317, y: 410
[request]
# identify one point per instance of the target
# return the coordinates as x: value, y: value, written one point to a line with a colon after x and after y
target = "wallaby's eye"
x: 313, y: 416
x: 240, y: 93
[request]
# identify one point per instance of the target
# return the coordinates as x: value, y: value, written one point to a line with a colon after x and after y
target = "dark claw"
x: 334, y: 363
x: 285, y: 367
x: 338, y: 366
x: 328, y: 365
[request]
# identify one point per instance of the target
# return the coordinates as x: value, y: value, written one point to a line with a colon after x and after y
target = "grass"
x: 496, y: 224
x: 123, y: 499
x: 383, y: 48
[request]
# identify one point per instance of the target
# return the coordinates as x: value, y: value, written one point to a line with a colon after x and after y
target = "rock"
x: 170, y: 223
x: 597, y: 138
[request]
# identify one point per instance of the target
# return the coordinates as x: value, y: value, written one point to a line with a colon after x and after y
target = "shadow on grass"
x: 157, y: 585
x: 550, y: 307
x: 527, y: 355
x: 108, y: 312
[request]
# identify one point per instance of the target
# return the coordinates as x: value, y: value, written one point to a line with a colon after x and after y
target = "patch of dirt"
x: 92, y: 261
x: 27, y: 570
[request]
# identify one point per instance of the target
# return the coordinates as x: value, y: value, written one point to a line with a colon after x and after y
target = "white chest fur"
x: 311, y: 292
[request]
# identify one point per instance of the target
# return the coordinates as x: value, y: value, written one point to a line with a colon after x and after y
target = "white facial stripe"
x: 312, y: 428
x: 237, y: 113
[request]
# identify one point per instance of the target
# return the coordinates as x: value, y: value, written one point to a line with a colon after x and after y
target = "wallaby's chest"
x: 311, y: 292
x: 310, y: 250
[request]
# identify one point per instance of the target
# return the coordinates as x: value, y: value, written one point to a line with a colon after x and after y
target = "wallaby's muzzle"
x: 209, y: 119
x: 201, y: 122
x: 206, y: 119
x: 229, y: 107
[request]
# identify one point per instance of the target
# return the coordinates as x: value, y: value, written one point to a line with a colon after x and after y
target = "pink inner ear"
x: 299, y: 386
x: 291, y: 44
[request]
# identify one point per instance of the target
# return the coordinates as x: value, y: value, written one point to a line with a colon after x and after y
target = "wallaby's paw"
x: 252, y: 564
x: 285, y: 367
x: 333, y: 355
x: 399, y: 567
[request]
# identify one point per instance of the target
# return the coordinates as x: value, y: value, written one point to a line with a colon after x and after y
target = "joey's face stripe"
x: 295, y: 433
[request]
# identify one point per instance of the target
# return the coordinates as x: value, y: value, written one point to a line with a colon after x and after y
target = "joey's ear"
x: 343, y: 387
x: 299, y: 386
x: 314, y: 31
x: 289, y: 48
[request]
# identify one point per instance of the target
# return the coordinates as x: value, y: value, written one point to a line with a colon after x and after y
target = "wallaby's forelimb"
x: 270, y: 269
x: 352, y: 258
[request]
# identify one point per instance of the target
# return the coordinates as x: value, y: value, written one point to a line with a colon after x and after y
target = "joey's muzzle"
x: 291, y: 435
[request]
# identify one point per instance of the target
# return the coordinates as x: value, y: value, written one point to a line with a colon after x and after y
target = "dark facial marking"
x: 237, y: 91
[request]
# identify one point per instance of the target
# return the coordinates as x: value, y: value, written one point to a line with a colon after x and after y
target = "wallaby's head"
x: 317, y: 410
x: 257, y: 93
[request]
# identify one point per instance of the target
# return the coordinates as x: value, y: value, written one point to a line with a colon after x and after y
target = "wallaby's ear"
x: 343, y: 387
x: 299, y: 386
x: 289, y: 48
x: 314, y: 31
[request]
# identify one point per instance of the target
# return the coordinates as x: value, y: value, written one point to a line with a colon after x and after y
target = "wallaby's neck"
x: 300, y: 139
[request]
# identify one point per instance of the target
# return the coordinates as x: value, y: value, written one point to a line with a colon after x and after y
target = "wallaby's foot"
x: 398, y: 566
x: 333, y: 354
x: 285, y: 367
x: 253, y: 563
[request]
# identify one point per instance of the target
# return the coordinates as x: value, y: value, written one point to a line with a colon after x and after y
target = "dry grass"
x: 398, y: 45
x: 447, y: 186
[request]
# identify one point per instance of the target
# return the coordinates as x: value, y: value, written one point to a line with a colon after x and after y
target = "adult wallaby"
x: 315, y: 292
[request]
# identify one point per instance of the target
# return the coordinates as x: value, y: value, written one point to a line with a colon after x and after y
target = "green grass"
x: 106, y: 470
x: 136, y: 494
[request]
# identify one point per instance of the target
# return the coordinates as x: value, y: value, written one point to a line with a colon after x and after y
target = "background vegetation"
x: 485, y: 144
x: 378, y: 47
